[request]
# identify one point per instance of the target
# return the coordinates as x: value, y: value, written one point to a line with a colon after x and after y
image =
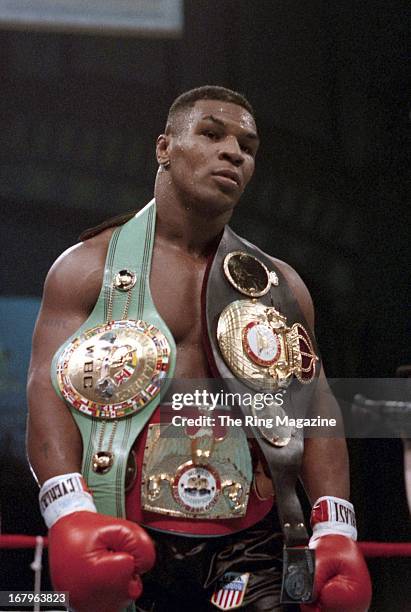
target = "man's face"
x: 212, y: 153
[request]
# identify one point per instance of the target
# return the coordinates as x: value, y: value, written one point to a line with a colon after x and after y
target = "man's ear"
x: 162, y: 152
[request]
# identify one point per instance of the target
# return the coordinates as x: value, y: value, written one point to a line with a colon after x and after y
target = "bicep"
x: 62, y: 311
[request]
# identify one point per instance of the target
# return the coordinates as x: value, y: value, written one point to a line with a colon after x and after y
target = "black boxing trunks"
x: 191, y: 573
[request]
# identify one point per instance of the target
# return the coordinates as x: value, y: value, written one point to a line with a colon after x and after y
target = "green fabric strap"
x: 130, y: 248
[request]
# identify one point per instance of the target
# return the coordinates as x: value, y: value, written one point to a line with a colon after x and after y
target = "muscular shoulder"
x: 298, y: 288
x: 75, y: 278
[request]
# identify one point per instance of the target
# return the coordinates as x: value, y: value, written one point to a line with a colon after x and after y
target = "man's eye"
x: 247, y: 150
x: 210, y: 134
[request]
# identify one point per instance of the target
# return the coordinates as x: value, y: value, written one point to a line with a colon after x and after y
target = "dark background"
x: 79, y: 115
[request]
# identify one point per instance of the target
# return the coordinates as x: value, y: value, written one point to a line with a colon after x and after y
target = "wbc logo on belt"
x: 230, y: 591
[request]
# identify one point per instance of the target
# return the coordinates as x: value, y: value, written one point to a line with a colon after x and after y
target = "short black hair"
x: 206, y: 92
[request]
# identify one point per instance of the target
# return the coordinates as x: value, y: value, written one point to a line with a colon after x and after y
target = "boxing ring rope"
x: 15, y: 541
x: 385, y: 549
x: 369, y: 549
x: 20, y: 541
x: 11, y: 541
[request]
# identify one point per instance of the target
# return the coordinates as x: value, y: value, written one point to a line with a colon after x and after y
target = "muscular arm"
x: 325, y: 467
x: 71, y: 289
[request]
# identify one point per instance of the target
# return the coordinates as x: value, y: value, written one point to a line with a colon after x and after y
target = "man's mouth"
x: 228, y: 176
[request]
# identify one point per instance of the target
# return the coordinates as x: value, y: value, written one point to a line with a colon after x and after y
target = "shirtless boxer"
x: 206, y: 159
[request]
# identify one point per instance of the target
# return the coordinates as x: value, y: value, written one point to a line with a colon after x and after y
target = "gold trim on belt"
x: 260, y: 348
x: 114, y: 370
x: 197, y: 476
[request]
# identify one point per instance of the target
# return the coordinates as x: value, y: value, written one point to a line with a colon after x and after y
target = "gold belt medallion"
x: 114, y: 370
x: 260, y: 348
x: 196, y: 476
x: 196, y: 488
x: 248, y: 274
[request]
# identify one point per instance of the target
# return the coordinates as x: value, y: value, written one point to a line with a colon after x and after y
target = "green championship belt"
x: 114, y: 369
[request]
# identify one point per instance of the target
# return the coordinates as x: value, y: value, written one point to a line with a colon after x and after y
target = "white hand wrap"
x: 332, y: 515
x: 62, y: 495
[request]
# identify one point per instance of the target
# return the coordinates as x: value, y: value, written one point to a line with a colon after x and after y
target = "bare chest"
x: 176, y: 283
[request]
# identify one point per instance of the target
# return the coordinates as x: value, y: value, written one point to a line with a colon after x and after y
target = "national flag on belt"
x: 230, y: 591
x: 123, y: 374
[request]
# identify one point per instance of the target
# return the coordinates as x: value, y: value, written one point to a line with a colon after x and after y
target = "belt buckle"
x: 298, y: 575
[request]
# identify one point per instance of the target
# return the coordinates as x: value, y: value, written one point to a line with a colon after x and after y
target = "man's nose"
x: 231, y: 151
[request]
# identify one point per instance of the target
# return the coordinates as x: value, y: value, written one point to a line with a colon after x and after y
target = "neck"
x: 187, y: 225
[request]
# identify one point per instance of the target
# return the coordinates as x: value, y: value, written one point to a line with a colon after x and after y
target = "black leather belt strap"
x: 284, y: 462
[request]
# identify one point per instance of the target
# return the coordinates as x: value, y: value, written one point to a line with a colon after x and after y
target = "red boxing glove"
x: 98, y: 559
x: 342, y: 582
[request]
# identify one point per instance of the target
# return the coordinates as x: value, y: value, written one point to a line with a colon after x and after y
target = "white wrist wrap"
x: 62, y: 495
x: 332, y: 515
